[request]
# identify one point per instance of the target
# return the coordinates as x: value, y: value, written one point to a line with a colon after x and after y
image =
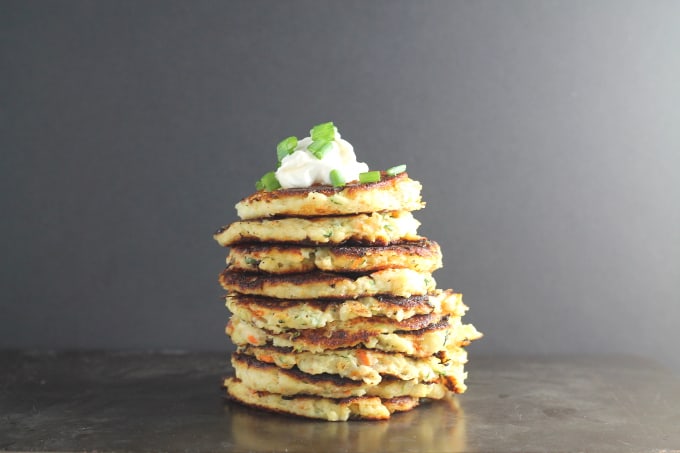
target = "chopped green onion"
x: 286, y: 147
x: 337, y: 179
x: 252, y: 261
x: 268, y: 182
x: 369, y: 176
x: 395, y: 170
x: 323, y: 131
x: 320, y: 148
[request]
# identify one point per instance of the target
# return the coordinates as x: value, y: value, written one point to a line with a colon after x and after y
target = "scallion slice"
x: 268, y: 182
x: 323, y: 131
x: 337, y: 179
x: 320, y: 148
x: 369, y: 176
x: 286, y: 147
x: 395, y: 170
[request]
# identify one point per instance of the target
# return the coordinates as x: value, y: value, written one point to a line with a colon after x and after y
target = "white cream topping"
x: 302, y: 169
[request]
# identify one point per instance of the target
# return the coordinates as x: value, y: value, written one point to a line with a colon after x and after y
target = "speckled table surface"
x: 84, y: 401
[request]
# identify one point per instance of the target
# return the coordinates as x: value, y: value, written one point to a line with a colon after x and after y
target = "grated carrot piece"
x: 364, y: 357
x: 266, y: 358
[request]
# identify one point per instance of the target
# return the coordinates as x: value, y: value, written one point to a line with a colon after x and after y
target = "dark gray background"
x: 546, y: 135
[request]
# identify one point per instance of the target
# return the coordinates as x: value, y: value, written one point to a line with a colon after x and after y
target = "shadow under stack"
x: 335, y: 313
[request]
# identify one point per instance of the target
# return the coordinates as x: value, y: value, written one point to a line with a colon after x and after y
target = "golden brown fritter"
x: 420, y: 256
x: 377, y: 228
x: 314, y: 285
x: 392, y: 193
x: 279, y: 315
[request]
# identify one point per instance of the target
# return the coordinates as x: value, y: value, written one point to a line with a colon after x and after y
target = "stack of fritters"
x: 335, y: 313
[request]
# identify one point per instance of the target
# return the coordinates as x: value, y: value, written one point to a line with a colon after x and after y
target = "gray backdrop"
x: 546, y: 135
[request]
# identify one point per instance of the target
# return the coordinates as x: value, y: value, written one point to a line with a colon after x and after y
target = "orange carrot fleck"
x: 267, y: 358
x: 363, y: 357
x: 252, y: 339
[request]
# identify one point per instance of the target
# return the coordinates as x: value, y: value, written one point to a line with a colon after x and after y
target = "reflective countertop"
x: 107, y: 401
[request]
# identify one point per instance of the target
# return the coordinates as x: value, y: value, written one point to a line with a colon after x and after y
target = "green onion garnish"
x: 286, y: 147
x: 395, y: 170
x: 268, y: 182
x: 320, y: 148
x: 369, y: 176
x: 323, y: 131
x: 337, y: 179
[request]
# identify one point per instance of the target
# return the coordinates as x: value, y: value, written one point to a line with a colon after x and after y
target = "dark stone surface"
x: 172, y: 402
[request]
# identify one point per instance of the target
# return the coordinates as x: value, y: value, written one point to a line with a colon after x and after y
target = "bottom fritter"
x: 331, y: 409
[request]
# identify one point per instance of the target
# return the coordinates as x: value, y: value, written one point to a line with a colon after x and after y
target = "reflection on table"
x: 434, y: 426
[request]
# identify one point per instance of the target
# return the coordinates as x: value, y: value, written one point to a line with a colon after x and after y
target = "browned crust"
x: 267, y: 197
x: 400, y: 403
x: 248, y: 281
x: 270, y: 303
x: 424, y: 248
x: 252, y: 240
x: 271, y: 349
x: 330, y: 338
x: 335, y: 339
x: 443, y: 323
x: 407, y: 302
x: 247, y: 349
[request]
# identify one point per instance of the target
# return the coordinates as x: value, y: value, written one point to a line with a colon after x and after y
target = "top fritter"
x: 391, y: 193
x: 319, y: 176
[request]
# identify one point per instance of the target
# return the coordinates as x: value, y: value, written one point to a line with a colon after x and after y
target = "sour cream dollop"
x: 302, y: 169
